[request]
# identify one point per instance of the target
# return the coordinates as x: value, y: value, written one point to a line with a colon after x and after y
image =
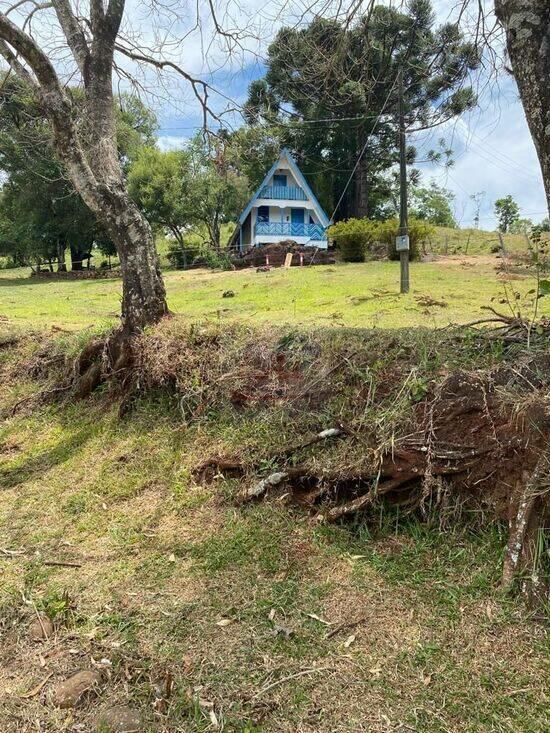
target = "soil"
x: 276, y: 254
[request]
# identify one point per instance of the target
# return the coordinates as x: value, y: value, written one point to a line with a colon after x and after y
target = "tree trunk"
x: 361, y: 189
x: 527, y: 27
x: 61, y: 246
x: 143, y: 293
x: 77, y: 257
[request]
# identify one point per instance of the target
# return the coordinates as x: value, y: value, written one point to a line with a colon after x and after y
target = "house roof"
x: 285, y: 153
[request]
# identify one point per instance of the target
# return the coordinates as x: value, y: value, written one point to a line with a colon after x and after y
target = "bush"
x: 353, y: 238
x: 387, y: 231
x: 180, y: 256
x: 215, y: 260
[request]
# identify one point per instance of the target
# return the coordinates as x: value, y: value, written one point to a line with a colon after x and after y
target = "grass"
x: 359, y: 295
x: 165, y: 558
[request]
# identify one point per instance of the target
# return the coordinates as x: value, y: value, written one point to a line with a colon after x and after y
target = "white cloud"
x: 171, y: 142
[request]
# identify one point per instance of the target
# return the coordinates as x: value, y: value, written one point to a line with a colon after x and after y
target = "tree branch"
x: 15, y: 65
x: 73, y: 33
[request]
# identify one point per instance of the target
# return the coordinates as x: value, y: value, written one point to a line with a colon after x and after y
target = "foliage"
x: 333, y: 70
x: 40, y: 213
x: 521, y: 226
x: 160, y: 183
x: 507, y: 213
x: 419, y: 231
x: 181, y: 254
x: 432, y: 204
x: 199, y: 187
x: 214, y: 259
x: 353, y: 238
x: 219, y: 191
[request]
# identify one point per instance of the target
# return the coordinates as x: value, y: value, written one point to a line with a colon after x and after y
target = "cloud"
x: 494, y: 153
x: 171, y: 142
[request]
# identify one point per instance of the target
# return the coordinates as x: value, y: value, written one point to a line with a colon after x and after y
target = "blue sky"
x: 492, y: 149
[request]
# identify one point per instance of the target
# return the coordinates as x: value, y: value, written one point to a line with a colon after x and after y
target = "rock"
x: 228, y: 294
x: 120, y: 719
x: 68, y: 693
x: 41, y: 629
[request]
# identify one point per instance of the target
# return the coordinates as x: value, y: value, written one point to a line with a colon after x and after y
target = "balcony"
x: 290, y: 193
x: 289, y: 229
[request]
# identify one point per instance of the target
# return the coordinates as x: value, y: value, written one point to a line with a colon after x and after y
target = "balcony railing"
x: 290, y: 229
x: 291, y: 193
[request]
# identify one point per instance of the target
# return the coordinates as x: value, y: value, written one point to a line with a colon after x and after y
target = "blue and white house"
x: 283, y: 207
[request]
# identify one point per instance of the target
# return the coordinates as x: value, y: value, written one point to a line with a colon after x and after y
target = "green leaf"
x: 544, y: 288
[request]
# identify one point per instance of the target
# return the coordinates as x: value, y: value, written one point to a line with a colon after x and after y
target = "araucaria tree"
x: 339, y: 78
x: 84, y: 136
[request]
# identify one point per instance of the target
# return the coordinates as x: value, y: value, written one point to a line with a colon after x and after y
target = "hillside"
x: 202, y: 612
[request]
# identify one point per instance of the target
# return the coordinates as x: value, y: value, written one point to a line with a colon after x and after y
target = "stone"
x: 228, y: 294
x: 41, y: 629
x: 119, y: 719
x: 69, y: 692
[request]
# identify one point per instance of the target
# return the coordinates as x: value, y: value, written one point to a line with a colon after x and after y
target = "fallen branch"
x: 346, y: 626
x: 282, y: 680
x: 62, y: 563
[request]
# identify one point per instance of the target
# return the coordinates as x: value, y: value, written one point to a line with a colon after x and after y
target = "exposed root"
x: 468, y: 444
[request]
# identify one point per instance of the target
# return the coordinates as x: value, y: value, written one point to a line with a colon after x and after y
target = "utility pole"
x: 402, y: 241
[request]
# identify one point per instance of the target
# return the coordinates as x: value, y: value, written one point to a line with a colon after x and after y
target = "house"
x: 284, y: 207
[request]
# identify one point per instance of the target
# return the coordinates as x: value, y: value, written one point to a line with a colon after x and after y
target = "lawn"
x: 206, y: 614
x: 451, y: 290
x: 263, y: 620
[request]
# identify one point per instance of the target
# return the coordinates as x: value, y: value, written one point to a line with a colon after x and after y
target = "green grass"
x: 359, y: 295
x: 166, y: 558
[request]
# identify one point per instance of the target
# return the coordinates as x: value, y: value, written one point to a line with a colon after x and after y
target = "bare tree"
x: 87, y: 145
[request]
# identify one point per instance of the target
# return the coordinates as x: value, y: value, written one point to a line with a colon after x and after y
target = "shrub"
x: 353, y: 238
x: 215, y: 260
x: 181, y: 256
x: 386, y: 231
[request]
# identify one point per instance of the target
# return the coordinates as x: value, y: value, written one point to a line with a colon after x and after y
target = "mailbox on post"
x: 402, y: 243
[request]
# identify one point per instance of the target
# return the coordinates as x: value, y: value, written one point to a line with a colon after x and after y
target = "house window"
x: 263, y: 213
x: 279, y: 180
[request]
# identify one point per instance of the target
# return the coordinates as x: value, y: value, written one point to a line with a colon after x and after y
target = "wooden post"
x: 403, y: 209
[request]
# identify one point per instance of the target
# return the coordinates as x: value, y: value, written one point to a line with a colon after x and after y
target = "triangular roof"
x: 285, y: 153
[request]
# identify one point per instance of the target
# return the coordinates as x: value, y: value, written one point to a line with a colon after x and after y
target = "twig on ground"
x: 63, y: 563
x: 282, y: 680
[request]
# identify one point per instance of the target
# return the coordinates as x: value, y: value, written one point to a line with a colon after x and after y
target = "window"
x: 263, y: 213
x: 279, y: 180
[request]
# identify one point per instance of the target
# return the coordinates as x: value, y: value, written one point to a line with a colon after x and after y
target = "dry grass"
x: 164, y: 558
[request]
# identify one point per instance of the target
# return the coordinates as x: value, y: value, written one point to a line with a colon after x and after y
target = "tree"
x: 507, y: 212
x: 199, y: 187
x: 159, y: 182
x: 84, y: 137
x: 338, y: 80
x: 526, y: 24
x: 433, y: 204
x: 522, y: 226
x: 42, y: 212
x: 219, y: 191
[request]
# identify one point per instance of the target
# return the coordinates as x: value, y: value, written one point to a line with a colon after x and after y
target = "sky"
x: 493, y: 152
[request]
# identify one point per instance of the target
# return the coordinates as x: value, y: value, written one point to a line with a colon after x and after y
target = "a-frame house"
x: 283, y: 207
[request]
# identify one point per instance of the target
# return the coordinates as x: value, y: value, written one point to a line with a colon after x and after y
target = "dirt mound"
x: 276, y: 254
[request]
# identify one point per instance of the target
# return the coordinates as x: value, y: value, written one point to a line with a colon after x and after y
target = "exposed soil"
x: 274, y: 255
